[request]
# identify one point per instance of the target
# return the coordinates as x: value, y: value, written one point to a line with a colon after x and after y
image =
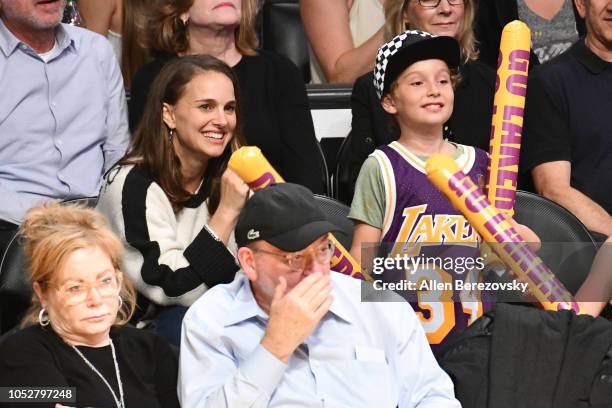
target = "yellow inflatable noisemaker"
x: 492, y: 225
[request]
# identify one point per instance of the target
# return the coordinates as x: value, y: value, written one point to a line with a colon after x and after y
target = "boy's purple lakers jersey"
x: 416, y: 212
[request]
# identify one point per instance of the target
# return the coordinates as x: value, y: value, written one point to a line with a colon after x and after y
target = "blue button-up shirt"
x: 360, y: 355
x: 63, y: 123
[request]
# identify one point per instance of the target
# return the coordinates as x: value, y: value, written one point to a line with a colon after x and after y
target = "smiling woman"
x: 74, y: 333
x: 276, y: 115
x: 171, y: 198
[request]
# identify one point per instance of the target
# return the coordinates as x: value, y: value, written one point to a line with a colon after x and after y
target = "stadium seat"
x: 15, y: 291
x: 331, y: 114
x: 282, y: 32
x: 336, y: 213
x: 324, y: 171
x: 568, y: 248
x: 343, y: 180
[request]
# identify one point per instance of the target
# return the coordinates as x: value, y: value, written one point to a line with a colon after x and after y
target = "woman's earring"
x: 171, y: 134
x: 43, y: 317
x: 120, y: 301
x: 184, y: 19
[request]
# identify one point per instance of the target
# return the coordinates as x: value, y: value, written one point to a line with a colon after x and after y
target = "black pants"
x: 7, y: 230
x: 7, y: 320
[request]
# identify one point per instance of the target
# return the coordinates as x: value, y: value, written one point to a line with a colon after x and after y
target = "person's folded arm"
x: 326, y: 23
x: 97, y: 14
x: 552, y: 180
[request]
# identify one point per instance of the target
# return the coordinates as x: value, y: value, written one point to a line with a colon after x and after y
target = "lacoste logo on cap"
x: 252, y: 234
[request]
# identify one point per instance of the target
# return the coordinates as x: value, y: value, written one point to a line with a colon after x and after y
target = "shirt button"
x: 369, y: 140
x: 53, y: 104
x: 59, y: 142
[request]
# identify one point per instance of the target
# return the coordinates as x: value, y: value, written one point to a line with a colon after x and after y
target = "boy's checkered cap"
x: 407, y: 48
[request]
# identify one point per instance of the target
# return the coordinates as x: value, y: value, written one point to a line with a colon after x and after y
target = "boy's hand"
x: 530, y: 237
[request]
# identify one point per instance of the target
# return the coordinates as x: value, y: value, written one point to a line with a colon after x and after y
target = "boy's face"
x: 422, y: 96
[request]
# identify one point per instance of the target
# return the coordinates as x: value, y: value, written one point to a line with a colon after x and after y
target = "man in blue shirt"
x: 63, y: 119
x: 288, y: 333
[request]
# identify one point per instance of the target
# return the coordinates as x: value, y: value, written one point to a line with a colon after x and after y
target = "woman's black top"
x: 37, y: 357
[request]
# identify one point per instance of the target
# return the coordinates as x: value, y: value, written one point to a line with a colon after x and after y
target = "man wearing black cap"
x: 290, y: 333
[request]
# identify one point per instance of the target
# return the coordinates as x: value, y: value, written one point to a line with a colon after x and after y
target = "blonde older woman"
x: 470, y: 122
x: 74, y: 334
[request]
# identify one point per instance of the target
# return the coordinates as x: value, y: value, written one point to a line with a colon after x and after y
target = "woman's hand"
x: 234, y: 193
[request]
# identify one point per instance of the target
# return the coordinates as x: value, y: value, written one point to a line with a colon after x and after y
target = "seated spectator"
x: 344, y: 36
x: 567, y: 145
x: 172, y: 199
x: 105, y: 17
x: 290, y: 333
x: 276, y: 114
x: 63, y: 123
x: 554, y: 24
x: 470, y: 122
x: 74, y: 334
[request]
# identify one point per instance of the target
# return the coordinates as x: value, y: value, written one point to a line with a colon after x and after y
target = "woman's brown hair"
x: 152, y: 147
x: 168, y: 34
x: 134, y: 50
x: 395, y: 23
x: 53, y: 231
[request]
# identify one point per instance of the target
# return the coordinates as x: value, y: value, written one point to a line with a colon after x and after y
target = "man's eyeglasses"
x: 435, y: 3
x: 77, y: 292
x: 298, y: 261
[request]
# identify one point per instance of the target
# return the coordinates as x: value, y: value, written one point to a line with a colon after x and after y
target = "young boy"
x: 394, y: 202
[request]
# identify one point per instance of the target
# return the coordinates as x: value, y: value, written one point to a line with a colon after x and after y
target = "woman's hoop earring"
x: 182, y: 22
x: 43, y: 317
x: 120, y: 301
